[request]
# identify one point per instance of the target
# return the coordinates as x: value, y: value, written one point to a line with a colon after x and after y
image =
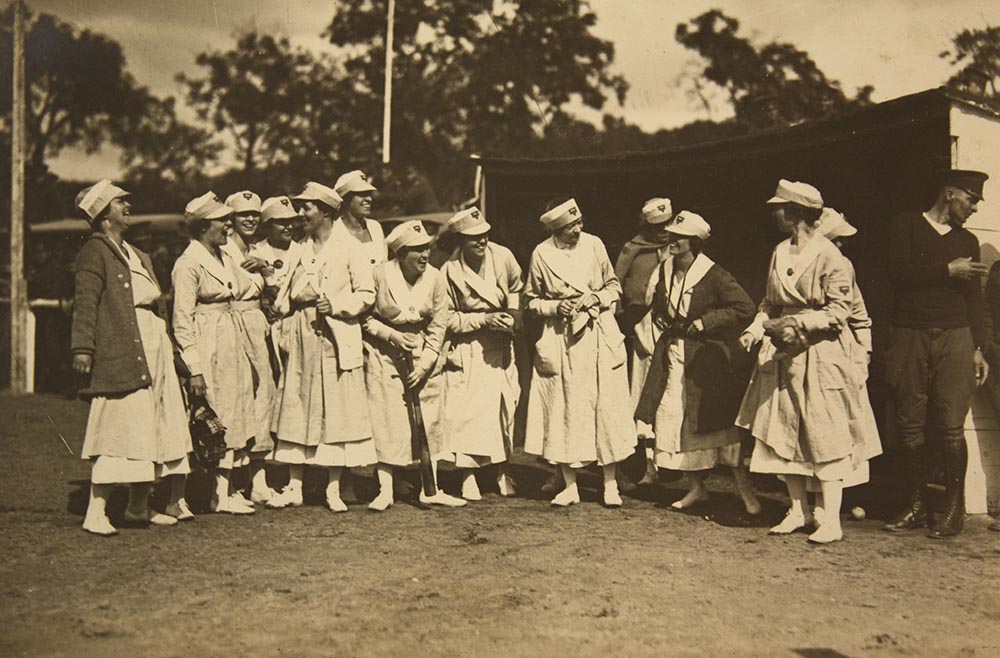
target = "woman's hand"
x: 747, y: 341
x: 198, y: 386
x: 567, y: 307
x: 83, y: 363
x: 588, y: 301
x: 323, y: 306
x: 256, y: 264
x: 696, y: 328
x: 499, y: 321
x: 415, y: 377
x: 405, y: 341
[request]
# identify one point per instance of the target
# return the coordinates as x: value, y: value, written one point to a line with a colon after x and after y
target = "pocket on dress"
x: 548, y: 352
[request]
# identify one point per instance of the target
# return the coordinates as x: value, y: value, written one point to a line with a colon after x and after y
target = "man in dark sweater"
x: 935, y: 360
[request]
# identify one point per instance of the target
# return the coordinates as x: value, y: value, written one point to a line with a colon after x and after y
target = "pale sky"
x: 891, y: 44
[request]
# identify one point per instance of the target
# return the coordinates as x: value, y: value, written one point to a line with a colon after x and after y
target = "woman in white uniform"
x: 212, y: 337
x: 280, y: 254
x: 693, y: 386
x: 481, y: 387
x: 137, y: 430
x: 322, y: 410
x: 407, y: 323
x: 579, y: 408
x: 239, y: 245
x: 803, y: 392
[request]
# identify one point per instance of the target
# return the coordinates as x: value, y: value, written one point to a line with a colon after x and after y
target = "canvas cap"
x: 243, y: 201
x: 468, y: 222
x: 277, y: 207
x: 94, y: 199
x: 690, y: 225
x: 353, y: 181
x: 968, y: 180
x: 803, y: 194
x: 318, y: 192
x: 407, y: 234
x: 562, y: 215
x: 833, y: 225
x: 207, y: 206
x: 657, y: 211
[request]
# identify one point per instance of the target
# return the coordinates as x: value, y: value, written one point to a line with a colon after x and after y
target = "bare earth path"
x: 498, y: 578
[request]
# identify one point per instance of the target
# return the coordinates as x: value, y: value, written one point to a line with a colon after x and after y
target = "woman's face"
x: 314, y: 216
x: 678, y: 245
x: 780, y: 214
x: 570, y: 234
x: 245, y: 224
x: 119, y: 211
x: 655, y: 232
x: 474, y: 246
x: 281, y: 231
x: 218, y: 230
x: 359, y: 205
x: 413, y: 260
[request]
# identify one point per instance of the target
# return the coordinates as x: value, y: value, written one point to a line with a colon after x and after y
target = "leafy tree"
x: 79, y: 87
x: 977, y: 53
x: 472, y: 75
x: 769, y: 84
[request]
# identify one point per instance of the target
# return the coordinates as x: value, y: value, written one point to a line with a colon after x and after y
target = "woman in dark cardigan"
x: 137, y: 430
x: 693, y: 389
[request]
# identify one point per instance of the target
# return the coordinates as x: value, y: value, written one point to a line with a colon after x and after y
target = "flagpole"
x: 387, y: 110
x: 18, y: 288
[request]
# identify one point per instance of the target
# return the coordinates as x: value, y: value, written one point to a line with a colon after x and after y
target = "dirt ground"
x: 503, y: 577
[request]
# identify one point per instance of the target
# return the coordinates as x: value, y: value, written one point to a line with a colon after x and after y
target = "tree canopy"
x: 977, y: 54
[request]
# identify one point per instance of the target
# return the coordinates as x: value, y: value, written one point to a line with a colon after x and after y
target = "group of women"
x: 324, y: 351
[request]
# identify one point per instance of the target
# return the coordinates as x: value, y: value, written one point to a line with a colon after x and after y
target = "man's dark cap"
x: 966, y: 179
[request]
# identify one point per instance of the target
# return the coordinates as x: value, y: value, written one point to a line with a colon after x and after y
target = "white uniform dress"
x: 421, y: 309
x: 283, y: 262
x: 480, y: 377
x: 322, y: 414
x: 209, y: 330
x: 579, y: 409
x: 256, y: 332
x: 141, y: 435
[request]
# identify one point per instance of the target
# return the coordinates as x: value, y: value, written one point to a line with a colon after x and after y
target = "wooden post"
x: 387, y: 107
x: 18, y: 287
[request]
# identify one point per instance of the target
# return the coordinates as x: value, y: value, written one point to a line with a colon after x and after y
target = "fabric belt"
x: 232, y: 306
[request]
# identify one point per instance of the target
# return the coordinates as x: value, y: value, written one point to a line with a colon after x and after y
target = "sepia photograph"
x: 500, y: 328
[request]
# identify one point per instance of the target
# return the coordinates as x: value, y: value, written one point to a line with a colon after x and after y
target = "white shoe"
x: 824, y: 535
x: 230, y: 505
x: 470, y: 488
x: 566, y: 497
x: 287, y: 498
x: 791, y: 523
x: 241, y: 499
x: 334, y: 502
x: 612, y: 498
x: 441, y: 498
x: 180, y: 511
x: 382, y: 502
x: 262, y: 496
x: 506, y: 485
x: 151, y: 517
x: 99, y: 526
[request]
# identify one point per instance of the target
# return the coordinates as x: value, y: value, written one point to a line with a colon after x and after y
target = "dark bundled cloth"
x: 104, y: 320
x: 715, y: 368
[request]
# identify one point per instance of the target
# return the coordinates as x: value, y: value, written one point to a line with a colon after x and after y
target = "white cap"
x: 468, y: 222
x: 317, y: 192
x: 245, y: 201
x: 407, y: 234
x: 94, y: 199
x: 562, y: 215
x: 657, y: 211
x: 207, y: 206
x: 353, y: 181
x: 277, y: 207
x: 833, y: 225
x: 800, y: 193
x: 690, y: 225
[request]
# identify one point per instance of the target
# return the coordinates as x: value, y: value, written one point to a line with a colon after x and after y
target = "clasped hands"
x: 409, y: 342
x: 569, y: 307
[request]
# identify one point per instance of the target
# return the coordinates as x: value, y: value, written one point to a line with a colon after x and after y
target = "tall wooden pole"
x: 18, y: 288
x: 387, y: 109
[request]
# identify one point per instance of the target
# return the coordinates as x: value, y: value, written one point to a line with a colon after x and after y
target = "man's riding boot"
x: 917, y: 515
x: 956, y: 461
